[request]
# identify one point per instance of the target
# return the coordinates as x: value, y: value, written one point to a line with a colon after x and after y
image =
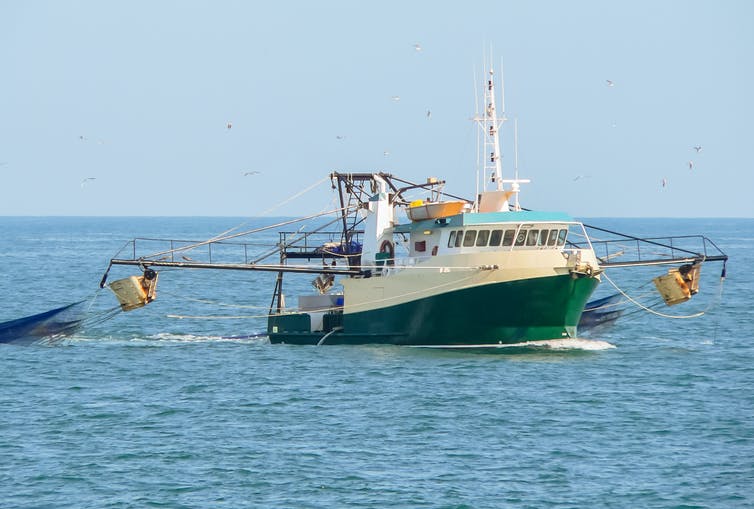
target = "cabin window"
x: 562, y: 237
x: 543, y: 237
x: 459, y: 238
x: 452, y: 238
x: 495, y: 237
x: 508, y: 237
x: 521, y: 238
x: 420, y: 246
x: 468, y: 240
x: 553, y: 238
x: 481, y: 239
x: 531, y: 239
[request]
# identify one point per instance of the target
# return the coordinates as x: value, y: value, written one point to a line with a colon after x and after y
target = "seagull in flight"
x: 340, y: 137
x: 610, y: 83
x: 429, y: 114
x: 417, y: 47
x: 691, y: 165
x: 664, y: 182
x: 579, y: 177
x: 396, y: 98
x: 87, y: 179
x: 229, y: 125
x: 698, y: 148
x: 247, y: 173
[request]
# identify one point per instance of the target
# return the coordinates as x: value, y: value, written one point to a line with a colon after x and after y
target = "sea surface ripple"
x: 148, y: 411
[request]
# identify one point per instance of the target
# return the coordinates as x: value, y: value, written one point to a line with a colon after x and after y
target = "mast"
x: 514, y: 185
x: 490, y: 125
x: 494, y: 195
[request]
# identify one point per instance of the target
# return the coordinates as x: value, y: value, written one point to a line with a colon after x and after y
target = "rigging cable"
x: 248, y: 232
x: 664, y: 315
x: 221, y: 235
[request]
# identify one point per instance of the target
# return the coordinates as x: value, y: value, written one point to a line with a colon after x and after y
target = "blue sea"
x: 170, y: 406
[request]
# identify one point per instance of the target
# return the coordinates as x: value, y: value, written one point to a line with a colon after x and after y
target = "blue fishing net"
x: 53, y: 325
x: 601, y: 311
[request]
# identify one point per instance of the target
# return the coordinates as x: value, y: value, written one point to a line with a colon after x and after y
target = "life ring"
x: 388, y: 247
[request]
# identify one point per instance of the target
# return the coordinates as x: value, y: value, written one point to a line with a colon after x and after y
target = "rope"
x: 664, y: 315
x: 220, y: 236
x: 295, y: 195
x: 296, y: 240
x: 240, y: 234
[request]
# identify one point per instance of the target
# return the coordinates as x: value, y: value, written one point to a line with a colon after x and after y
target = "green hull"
x: 500, y: 313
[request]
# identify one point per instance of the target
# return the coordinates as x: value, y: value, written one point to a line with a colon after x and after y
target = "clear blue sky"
x: 151, y: 86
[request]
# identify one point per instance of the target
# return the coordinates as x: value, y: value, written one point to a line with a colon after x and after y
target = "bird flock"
x: 664, y: 181
x: 428, y: 115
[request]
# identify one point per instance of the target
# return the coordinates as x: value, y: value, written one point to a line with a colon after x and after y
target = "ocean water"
x: 161, y: 407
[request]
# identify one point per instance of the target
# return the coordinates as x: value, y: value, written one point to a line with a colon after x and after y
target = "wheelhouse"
x: 494, y: 232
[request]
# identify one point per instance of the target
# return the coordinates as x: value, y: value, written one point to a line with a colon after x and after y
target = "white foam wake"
x: 568, y: 344
x: 187, y: 338
x: 545, y: 344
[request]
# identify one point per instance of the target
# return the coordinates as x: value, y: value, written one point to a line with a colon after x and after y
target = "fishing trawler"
x: 444, y: 272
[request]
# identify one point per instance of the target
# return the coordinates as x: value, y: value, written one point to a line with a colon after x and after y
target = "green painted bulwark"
x: 499, y: 313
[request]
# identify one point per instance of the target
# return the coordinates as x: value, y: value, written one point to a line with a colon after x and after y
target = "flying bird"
x: 698, y: 148
x: 610, y: 83
x: 429, y: 114
x: 229, y: 125
x: 87, y: 179
x: 664, y: 182
x: 417, y: 47
x: 247, y: 173
x: 691, y: 165
x: 339, y: 137
x: 396, y: 98
x: 579, y: 177
x: 386, y: 153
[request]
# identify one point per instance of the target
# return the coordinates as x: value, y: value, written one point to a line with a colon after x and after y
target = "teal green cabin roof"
x: 469, y: 219
x: 505, y: 217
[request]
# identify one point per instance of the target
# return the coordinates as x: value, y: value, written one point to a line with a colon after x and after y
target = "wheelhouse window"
x: 531, y: 239
x: 495, y: 237
x: 543, y: 237
x: 482, y: 238
x: 508, y: 237
x: 562, y: 237
x: 553, y: 238
x: 521, y: 238
x: 469, y: 238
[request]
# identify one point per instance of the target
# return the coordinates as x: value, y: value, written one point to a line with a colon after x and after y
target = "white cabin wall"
x: 378, y: 224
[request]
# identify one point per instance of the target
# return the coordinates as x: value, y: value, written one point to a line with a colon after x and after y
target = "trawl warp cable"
x: 664, y: 315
